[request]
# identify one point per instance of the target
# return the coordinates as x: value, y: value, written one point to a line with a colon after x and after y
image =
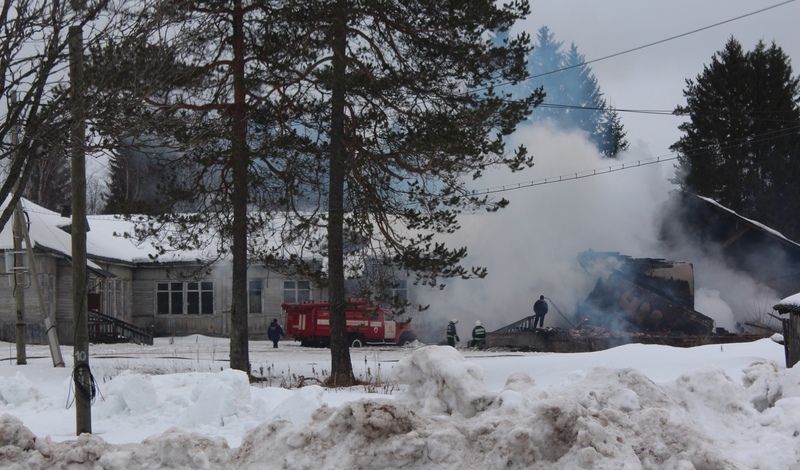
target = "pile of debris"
x: 637, y: 300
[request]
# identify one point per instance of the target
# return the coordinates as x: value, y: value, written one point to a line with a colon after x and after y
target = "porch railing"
x: 107, y: 329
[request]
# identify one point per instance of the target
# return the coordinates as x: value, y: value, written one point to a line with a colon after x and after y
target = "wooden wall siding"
x: 791, y: 338
x: 182, y: 325
x: 209, y: 325
x: 32, y: 309
x: 144, y: 316
x: 257, y: 326
x: 34, y: 333
x: 63, y: 294
x: 6, y: 299
x: 33, y: 318
x: 143, y: 303
x: 116, y: 295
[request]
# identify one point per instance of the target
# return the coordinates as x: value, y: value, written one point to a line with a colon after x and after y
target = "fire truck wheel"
x: 406, y: 339
x: 356, y: 342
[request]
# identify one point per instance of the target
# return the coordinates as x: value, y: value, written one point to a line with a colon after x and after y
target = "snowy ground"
x: 177, y: 405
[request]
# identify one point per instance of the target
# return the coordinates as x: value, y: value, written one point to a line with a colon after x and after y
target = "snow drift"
x: 445, y: 417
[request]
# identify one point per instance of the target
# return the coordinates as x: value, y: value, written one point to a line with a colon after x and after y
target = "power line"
x: 634, y: 49
x: 631, y: 165
x: 664, y: 112
x: 576, y: 176
x: 586, y: 62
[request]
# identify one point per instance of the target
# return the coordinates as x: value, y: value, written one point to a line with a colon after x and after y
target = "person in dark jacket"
x: 274, y: 332
x: 539, y: 311
x: 478, y: 335
x: 452, y: 336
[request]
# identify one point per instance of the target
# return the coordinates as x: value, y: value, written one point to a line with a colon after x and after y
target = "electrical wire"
x: 638, y: 48
x: 575, y: 176
x: 664, y: 112
x: 637, y: 164
x: 86, y: 390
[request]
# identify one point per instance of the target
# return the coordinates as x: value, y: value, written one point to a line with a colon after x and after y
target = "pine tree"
x: 740, y: 145
x: 545, y: 63
x: 573, y: 98
x: 399, y: 97
x: 612, y: 139
x: 409, y: 92
x: 133, y: 184
x: 183, y: 80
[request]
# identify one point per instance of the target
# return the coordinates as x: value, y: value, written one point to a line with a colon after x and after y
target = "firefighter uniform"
x: 452, y: 336
x: 478, y: 335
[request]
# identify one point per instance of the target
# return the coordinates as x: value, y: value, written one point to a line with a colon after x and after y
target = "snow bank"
x: 611, y: 418
x: 441, y: 381
x: 604, y: 418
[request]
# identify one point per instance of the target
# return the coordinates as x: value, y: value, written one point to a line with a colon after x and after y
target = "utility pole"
x: 49, y: 323
x: 19, y: 288
x: 20, y: 231
x: 84, y: 388
x: 19, y: 274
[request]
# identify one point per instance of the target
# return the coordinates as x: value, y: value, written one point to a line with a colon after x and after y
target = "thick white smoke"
x: 530, y: 248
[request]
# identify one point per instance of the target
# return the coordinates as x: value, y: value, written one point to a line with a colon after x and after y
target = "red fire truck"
x: 309, y: 323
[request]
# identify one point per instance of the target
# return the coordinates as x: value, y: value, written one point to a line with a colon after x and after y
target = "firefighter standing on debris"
x: 452, y: 336
x: 539, y: 311
x: 478, y: 335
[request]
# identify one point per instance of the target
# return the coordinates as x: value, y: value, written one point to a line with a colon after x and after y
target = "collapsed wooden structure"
x: 652, y: 300
x: 641, y: 300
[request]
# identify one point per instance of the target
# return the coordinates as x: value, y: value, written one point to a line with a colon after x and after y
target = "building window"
x: 254, y: 296
x: 296, y: 291
x: 185, y: 298
x: 115, y: 295
x: 398, y: 291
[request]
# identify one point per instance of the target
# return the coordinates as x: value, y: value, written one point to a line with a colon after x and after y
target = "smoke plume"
x: 531, y: 247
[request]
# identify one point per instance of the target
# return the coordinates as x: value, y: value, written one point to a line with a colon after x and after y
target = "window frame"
x: 298, y: 294
x: 399, y: 290
x: 184, y: 297
x: 252, y: 296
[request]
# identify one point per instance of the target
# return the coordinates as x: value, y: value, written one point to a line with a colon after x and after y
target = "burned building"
x: 642, y: 294
x: 635, y: 300
x: 652, y: 300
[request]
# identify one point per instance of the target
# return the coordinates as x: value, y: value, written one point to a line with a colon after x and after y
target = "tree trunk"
x: 240, y: 354
x: 341, y: 366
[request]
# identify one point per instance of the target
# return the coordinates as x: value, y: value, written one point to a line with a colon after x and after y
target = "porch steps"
x: 107, y: 329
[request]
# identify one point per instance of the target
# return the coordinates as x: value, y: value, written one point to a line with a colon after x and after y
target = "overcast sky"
x: 654, y: 77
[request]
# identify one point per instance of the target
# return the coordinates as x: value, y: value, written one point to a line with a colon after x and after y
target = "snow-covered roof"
x: 789, y: 304
x: 104, y: 240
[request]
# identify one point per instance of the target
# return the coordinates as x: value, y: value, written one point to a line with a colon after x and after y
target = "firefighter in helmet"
x: 478, y: 336
x: 452, y: 335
